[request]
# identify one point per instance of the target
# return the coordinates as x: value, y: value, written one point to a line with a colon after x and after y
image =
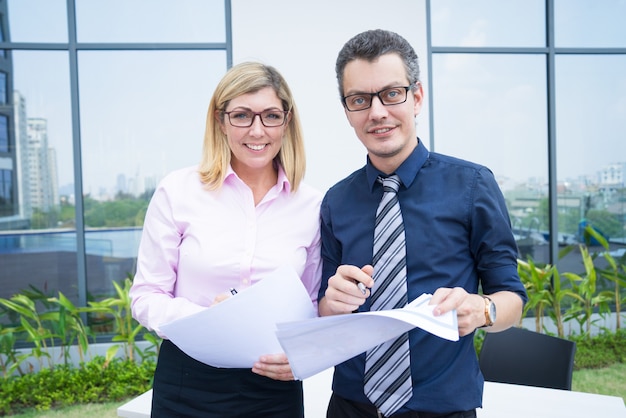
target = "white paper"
x: 316, y: 344
x: 238, y: 330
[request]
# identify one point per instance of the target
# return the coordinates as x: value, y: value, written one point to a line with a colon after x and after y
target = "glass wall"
x: 518, y: 87
x: 91, y: 120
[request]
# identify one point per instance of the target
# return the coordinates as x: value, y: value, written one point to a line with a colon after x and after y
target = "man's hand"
x: 343, y: 294
x: 274, y: 366
x: 470, y: 307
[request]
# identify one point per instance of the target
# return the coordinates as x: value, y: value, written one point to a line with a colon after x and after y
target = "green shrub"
x: 600, y: 351
x: 64, y: 385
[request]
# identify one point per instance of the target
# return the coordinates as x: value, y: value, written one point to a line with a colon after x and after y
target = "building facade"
x: 91, y: 119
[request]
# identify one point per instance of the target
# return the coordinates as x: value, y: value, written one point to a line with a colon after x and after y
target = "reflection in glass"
x: 3, y: 88
x: 4, y: 134
x: 37, y: 20
x: 491, y: 109
x: 591, y: 150
x: 590, y: 23
x: 34, y: 246
x: 142, y: 115
x: 488, y: 23
x: 150, y: 21
x: 7, y: 205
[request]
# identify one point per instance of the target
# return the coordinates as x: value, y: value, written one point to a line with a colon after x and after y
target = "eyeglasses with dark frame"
x: 388, y: 97
x: 245, y: 118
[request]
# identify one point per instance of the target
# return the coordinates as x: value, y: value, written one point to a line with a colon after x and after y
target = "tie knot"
x: 390, y: 184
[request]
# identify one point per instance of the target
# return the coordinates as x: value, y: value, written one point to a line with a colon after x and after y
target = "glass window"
x: 4, y: 134
x: 142, y: 115
x: 37, y: 20
x: 150, y: 21
x: 2, y: 30
x: 488, y: 23
x: 39, y: 248
x: 590, y: 23
x: 591, y: 151
x: 491, y: 109
x: 6, y: 195
x: 3, y: 88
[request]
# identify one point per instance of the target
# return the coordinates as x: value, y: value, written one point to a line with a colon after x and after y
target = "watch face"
x: 492, y: 311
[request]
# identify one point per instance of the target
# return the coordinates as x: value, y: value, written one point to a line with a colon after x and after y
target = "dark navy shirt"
x: 458, y: 233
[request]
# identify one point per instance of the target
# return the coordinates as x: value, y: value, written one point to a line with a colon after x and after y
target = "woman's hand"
x: 274, y: 366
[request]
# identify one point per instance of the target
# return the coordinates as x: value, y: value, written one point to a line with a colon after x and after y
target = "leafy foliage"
x: 576, y: 296
x: 600, y: 351
x: 97, y: 381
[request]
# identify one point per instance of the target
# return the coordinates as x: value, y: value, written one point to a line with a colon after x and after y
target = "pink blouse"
x: 197, y: 243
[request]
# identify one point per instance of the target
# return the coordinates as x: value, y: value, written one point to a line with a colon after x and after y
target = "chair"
x: 524, y: 357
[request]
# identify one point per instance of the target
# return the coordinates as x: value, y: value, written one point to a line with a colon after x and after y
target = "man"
x: 456, y: 244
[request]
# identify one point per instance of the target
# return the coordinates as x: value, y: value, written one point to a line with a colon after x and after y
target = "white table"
x: 513, y: 401
x: 499, y: 401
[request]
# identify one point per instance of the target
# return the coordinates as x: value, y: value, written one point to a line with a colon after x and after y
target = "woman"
x: 241, y: 214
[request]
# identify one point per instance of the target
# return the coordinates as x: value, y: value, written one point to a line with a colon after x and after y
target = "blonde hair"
x: 250, y: 77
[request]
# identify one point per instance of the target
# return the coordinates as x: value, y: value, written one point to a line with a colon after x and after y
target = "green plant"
x: 536, y: 280
x: 586, y: 299
x: 546, y: 294
x: 97, y: 381
x: 9, y: 362
x: 44, y: 322
x: 126, y: 328
x: 601, y: 350
x: 69, y: 327
x: 31, y: 324
x: 614, y: 272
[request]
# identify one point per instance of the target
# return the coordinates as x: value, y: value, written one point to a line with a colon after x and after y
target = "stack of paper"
x: 237, y: 331
x: 276, y: 315
x: 316, y: 344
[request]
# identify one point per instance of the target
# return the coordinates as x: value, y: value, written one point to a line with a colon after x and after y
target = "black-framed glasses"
x: 388, y: 97
x: 245, y: 118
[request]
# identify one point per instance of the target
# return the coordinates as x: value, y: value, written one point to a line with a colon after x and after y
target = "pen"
x: 362, y: 287
x: 233, y: 291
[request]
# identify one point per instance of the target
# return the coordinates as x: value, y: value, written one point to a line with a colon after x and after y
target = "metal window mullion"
x: 551, y: 102
x: 81, y: 255
x: 229, y: 33
x: 429, y: 66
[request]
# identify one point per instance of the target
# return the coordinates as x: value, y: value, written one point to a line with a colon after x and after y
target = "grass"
x: 104, y: 410
x: 605, y: 381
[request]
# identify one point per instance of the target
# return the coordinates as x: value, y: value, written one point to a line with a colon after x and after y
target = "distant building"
x: 22, y: 163
x: 41, y: 170
x: 613, y: 177
x: 10, y: 216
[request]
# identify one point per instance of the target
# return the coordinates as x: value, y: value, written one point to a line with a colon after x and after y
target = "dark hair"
x: 370, y: 45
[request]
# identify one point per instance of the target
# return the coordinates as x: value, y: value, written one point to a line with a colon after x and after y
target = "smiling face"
x: 254, y: 148
x: 387, y: 132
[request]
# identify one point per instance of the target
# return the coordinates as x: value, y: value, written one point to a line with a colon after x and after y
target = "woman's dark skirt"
x: 184, y: 387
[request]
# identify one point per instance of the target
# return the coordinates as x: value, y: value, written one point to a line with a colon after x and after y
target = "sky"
x: 143, y: 112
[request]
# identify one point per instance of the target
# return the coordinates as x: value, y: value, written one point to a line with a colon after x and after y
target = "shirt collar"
x: 407, y: 171
x: 282, y: 183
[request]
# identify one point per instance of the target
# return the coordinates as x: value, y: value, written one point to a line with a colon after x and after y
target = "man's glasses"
x: 388, y: 97
x: 245, y: 118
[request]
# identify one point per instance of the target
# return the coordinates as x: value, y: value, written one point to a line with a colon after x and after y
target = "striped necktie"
x: 387, y: 366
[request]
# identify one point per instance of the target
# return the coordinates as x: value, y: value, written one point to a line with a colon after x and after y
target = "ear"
x: 348, y: 116
x: 418, y: 99
x: 220, y: 120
